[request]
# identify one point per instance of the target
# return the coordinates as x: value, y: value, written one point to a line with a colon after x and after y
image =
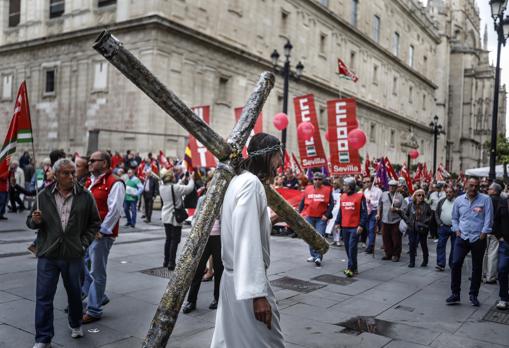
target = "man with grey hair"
x: 63, y: 236
x: 490, y: 260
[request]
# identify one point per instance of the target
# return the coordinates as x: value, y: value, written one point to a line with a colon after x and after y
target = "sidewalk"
x: 399, y: 306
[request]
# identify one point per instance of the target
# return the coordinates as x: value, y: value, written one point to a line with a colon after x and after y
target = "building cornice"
x: 369, y: 41
x: 164, y: 23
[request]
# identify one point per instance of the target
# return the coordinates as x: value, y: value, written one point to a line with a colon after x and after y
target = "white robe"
x: 245, y: 234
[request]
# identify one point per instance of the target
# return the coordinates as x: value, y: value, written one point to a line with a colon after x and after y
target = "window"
x: 410, y: 94
x: 322, y: 121
x: 14, y: 12
x: 103, y: 3
x: 424, y: 101
x: 372, y: 132
x: 395, y: 44
x: 223, y: 94
x: 324, y: 3
x: 355, y: 11
x: 284, y: 21
x: 100, y: 76
x: 375, y: 74
x: 56, y: 8
x: 6, y: 87
x: 395, y: 86
x: 376, y: 28
x: 323, y: 42
x: 425, y: 65
x: 411, y: 56
x: 49, y: 86
x: 352, y: 60
x: 393, y: 136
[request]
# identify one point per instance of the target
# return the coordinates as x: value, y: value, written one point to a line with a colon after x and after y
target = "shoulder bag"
x: 180, y: 214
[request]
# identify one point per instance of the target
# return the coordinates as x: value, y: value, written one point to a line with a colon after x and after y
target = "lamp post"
x: 437, y: 128
x: 498, y: 8
x: 286, y: 72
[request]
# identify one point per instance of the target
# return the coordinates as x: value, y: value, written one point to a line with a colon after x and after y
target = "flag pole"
x: 33, y: 150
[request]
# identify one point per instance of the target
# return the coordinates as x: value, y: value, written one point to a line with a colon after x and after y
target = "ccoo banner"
x: 342, y: 119
x: 258, y: 128
x: 200, y: 155
x: 311, y: 151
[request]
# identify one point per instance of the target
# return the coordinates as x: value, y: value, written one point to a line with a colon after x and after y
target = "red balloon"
x: 280, y: 121
x: 356, y: 139
x: 328, y: 135
x: 305, y: 130
x: 413, y: 154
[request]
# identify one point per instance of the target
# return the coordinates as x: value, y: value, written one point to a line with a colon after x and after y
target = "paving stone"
x: 403, y: 344
x: 7, y: 297
x: 484, y: 331
x: 360, y: 306
x: 131, y: 342
x: 446, y: 340
x: 329, y: 316
x: 13, y: 337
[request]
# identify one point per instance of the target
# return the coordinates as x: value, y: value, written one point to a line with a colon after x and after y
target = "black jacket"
x: 500, y: 217
x: 418, y: 224
x: 84, y: 222
x: 153, y: 187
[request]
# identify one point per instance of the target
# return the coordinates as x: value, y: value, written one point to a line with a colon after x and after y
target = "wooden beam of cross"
x: 229, y: 154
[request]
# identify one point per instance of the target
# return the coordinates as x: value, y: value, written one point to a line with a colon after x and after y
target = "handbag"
x: 180, y: 214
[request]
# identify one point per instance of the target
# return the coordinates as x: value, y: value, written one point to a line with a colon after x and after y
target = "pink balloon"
x: 280, y: 121
x: 356, y: 139
x: 413, y: 154
x: 305, y: 130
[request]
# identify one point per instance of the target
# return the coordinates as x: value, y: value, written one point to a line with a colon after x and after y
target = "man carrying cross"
x: 247, y: 315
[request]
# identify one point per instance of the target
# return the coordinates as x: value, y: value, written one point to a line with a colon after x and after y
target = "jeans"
x: 48, y: 271
x: 371, y: 230
x: 213, y: 248
x: 95, y: 278
x: 351, y: 238
x: 173, y: 235
x: 130, y: 212
x: 461, y: 249
x: 319, y: 226
x: 4, y: 196
x: 415, y: 238
x: 503, y: 270
x: 444, y: 232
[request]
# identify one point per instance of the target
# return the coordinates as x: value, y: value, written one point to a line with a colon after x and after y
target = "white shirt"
x: 372, y: 196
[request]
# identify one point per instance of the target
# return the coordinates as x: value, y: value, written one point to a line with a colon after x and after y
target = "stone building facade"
x: 211, y: 52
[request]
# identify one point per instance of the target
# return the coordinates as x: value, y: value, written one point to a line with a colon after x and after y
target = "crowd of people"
x: 80, y: 201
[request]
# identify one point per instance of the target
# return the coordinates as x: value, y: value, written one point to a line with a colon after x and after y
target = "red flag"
x: 20, y: 128
x: 163, y: 161
x: 367, y: 164
x: 427, y: 174
x: 390, y: 169
x: 4, y: 168
x: 418, y: 173
x: 345, y: 73
x: 406, y: 176
x: 188, y: 159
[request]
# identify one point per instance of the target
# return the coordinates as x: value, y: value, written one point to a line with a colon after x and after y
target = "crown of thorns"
x: 260, y: 152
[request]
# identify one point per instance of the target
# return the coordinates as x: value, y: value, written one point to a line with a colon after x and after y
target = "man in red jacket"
x: 109, y: 193
x: 352, y: 219
x: 316, y: 206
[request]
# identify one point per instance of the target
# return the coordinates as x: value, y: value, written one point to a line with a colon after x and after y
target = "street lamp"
x: 436, y: 128
x: 286, y: 72
x: 498, y: 8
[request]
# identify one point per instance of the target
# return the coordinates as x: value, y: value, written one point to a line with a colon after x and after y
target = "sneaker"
x: 188, y: 307
x: 502, y: 305
x: 474, y: 301
x: 363, y: 245
x: 439, y: 268
x: 310, y: 259
x: 213, y: 304
x: 348, y: 273
x: 340, y: 243
x: 76, y: 332
x: 318, y: 262
x: 453, y: 299
x: 435, y: 240
x: 87, y: 319
x: 42, y: 345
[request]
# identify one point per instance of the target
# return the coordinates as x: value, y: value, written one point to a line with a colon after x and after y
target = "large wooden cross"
x: 229, y: 155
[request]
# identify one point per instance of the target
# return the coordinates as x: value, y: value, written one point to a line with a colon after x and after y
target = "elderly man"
x: 390, y: 208
x: 67, y: 223
x: 490, y: 260
x: 372, y: 194
x: 108, y: 192
x: 443, y: 218
x: 316, y: 206
x: 472, y: 218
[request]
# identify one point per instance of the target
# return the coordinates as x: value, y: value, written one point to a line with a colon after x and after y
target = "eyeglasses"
x: 93, y: 160
x: 318, y: 179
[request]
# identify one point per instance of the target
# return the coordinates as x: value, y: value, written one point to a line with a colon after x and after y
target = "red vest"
x: 350, y: 206
x: 100, y: 191
x: 316, y: 200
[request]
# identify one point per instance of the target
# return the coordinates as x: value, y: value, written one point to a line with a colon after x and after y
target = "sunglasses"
x: 419, y: 195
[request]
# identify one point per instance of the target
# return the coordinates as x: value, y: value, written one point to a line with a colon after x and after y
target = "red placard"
x: 200, y: 155
x: 311, y: 151
x: 342, y: 120
x: 258, y: 128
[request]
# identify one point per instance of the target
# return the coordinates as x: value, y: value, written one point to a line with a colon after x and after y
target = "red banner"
x: 293, y: 197
x: 200, y: 155
x: 258, y: 128
x: 342, y: 120
x: 311, y: 151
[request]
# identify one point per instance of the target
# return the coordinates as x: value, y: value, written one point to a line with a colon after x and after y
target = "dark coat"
x: 84, y: 222
x: 418, y: 224
x: 153, y: 188
x: 500, y: 217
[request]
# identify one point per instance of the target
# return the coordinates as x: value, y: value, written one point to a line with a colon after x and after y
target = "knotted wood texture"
x: 229, y: 154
